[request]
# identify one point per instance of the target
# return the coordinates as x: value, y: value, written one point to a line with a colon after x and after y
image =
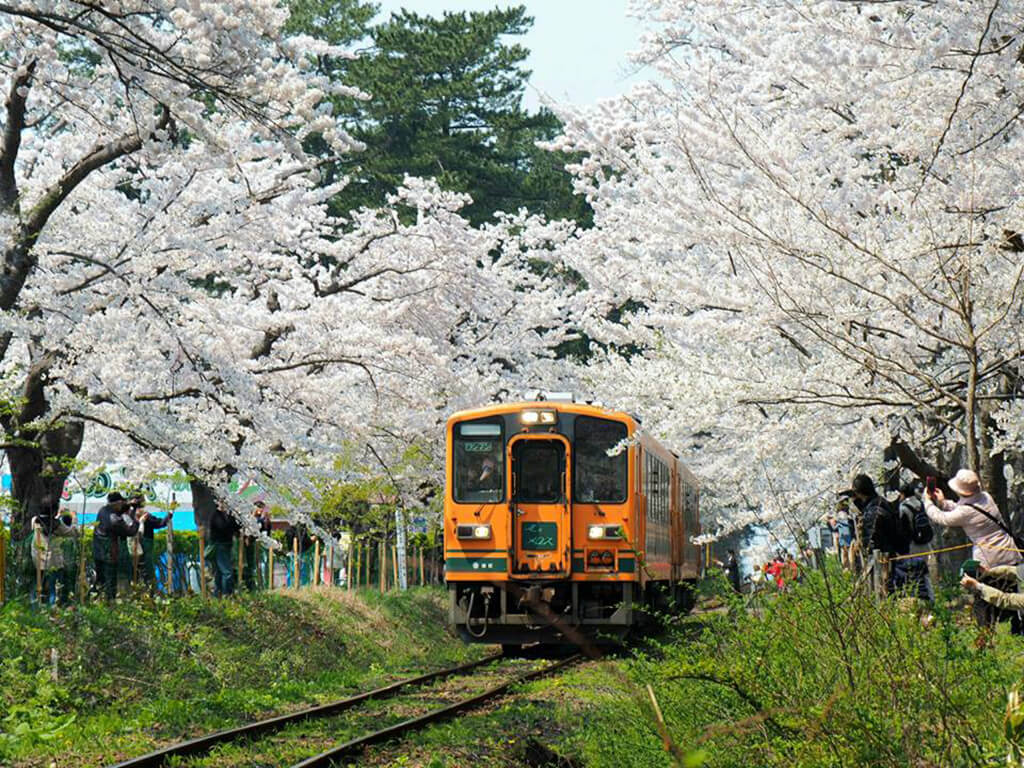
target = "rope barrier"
x: 930, y: 552
x: 950, y: 549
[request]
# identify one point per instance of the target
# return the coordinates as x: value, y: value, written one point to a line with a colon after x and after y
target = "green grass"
x: 134, y: 675
x: 817, y: 677
x: 823, y: 676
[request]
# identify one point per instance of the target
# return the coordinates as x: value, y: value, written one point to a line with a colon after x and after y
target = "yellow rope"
x: 950, y: 549
x: 930, y: 552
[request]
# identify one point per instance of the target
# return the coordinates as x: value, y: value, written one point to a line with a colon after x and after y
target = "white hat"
x: 965, y: 483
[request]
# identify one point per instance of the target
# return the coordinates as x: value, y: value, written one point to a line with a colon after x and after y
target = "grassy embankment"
x: 822, y: 676
x: 133, y: 675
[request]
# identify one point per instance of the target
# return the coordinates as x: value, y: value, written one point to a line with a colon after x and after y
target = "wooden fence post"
x: 349, y: 563
x: 877, y: 573
x: 169, y: 552
x: 37, y: 550
x: 316, y: 563
x: 359, y: 565
x: 136, y: 546
x: 421, y: 566
x: 270, y: 569
x: 82, y: 584
x: 3, y: 563
x: 202, y: 561
x: 296, y: 565
x: 383, y: 566
x: 241, y: 560
x: 394, y: 566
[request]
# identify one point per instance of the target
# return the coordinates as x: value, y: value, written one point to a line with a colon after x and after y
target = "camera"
x: 970, y: 568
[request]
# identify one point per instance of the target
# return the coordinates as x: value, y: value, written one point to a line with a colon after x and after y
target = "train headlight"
x: 601, y: 532
x: 473, y: 531
x: 532, y: 417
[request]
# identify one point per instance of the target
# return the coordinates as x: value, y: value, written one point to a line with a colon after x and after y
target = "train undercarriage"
x: 560, y: 612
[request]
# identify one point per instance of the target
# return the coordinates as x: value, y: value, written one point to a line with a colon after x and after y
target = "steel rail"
x: 204, y: 743
x: 329, y: 757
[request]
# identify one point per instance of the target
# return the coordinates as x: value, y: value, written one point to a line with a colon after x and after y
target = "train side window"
x: 600, y: 478
x: 478, y: 474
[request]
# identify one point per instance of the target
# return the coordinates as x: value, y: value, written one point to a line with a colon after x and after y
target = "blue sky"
x: 578, y: 47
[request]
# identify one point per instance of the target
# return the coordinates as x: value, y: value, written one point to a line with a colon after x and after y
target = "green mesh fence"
x: 72, y: 573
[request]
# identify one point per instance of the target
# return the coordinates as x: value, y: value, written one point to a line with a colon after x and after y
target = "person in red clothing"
x: 776, y: 570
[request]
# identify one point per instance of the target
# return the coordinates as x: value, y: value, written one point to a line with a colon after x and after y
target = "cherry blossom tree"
x: 172, y: 276
x: 812, y: 215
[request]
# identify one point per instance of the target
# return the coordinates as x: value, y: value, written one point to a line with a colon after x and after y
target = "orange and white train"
x: 563, y: 523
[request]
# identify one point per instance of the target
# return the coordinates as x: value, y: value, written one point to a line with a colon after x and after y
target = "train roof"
x: 584, y: 409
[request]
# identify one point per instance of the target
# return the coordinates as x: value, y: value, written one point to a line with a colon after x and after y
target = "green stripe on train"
x: 476, y: 564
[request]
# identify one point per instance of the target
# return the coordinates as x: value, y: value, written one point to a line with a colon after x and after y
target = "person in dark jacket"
x: 910, y: 510
x: 148, y: 525
x: 732, y: 569
x: 114, y: 524
x: 251, y: 544
x: 880, y: 528
x: 223, y: 529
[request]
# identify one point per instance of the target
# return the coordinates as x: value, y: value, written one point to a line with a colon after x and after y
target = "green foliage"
x: 446, y: 102
x: 339, y: 22
x: 132, y: 674
x: 823, y: 676
x: 363, y: 503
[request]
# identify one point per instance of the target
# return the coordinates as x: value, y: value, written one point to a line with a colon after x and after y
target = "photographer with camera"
x: 148, y: 525
x: 250, y: 571
x: 47, y: 554
x: 223, y: 530
x: 979, y: 517
x: 880, y: 529
x: 114, y: 524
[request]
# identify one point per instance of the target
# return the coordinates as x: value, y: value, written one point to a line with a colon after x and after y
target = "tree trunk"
x: 203, y: 501
x: 991, y: 471
x: 39, y: 468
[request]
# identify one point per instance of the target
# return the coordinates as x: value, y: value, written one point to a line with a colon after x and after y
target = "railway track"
x: 352, y: 724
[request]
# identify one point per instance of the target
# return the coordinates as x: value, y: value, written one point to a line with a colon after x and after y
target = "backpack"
x: 915, y: 520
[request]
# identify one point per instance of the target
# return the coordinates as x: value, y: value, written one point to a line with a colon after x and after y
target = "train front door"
x: 539, y: 507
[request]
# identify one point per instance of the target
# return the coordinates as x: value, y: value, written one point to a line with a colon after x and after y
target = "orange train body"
x: 548, y: 538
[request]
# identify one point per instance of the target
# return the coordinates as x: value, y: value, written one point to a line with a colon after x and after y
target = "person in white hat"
x: 979, y: 517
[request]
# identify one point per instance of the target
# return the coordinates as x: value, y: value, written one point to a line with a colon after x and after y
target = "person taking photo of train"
x: 48, y: 556
x: 251, y: 543
x: 148, y: 525
x: 881, y: 529
x: 977, y: 514
x: 223, y: 529
x: 914, y: 519
x: 114, y: 524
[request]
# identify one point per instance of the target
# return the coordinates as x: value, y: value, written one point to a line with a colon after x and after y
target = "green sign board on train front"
x: 540, y: 536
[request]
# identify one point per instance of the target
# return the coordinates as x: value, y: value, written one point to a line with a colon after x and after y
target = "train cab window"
x: 479, y: 458
x: 600, y: 478
x: 540, y: 469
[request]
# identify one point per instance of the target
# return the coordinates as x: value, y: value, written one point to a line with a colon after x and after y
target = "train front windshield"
x: 479, y: 472
x: 600, y: 477
x: 539, y: 471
